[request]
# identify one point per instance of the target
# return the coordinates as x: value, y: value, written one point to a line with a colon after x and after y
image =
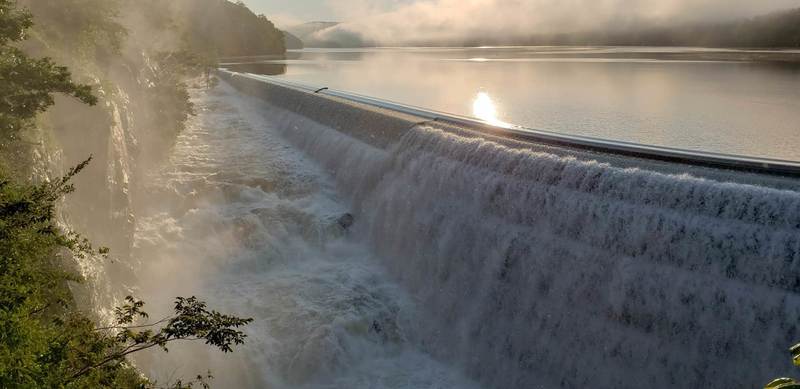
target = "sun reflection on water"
x: 483, y: 108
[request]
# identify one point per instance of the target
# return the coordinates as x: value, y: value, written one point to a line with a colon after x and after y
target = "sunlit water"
x: 242, y: 220
x: 686, y: 98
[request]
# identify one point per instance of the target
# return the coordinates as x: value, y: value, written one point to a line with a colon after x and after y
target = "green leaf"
x: 777, y: 382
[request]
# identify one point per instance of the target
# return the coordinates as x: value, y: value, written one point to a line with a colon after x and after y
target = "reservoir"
x: 744, y: 102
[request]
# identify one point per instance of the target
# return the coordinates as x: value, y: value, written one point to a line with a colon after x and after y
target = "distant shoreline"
x: 720, y: 54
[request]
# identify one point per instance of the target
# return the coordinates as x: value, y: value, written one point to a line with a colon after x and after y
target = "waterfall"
x: 540, y: 269
x: 243, y: 220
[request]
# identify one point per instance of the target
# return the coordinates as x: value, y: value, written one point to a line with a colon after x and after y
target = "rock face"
x: 125, y: 136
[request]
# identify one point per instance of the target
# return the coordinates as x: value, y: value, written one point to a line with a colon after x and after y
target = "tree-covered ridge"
x: 227, y: 29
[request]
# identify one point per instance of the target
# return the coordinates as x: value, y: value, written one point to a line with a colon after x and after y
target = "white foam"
x: 538, y: 269
x: 244, y: 221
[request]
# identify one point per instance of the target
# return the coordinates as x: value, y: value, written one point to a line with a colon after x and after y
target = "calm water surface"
x: 702, y: 99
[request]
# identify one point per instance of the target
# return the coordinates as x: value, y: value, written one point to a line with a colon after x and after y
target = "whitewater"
x: 444, y: 260
x: 241, y: 219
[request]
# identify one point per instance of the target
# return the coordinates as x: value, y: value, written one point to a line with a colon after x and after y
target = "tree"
x: 27, y: 85
x: 191, y: 321
x: 44, y: 340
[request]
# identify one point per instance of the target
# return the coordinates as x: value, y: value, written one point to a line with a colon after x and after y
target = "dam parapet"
x: 381, y: 123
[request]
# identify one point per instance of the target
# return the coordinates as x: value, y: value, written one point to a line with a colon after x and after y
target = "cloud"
x: 402, y: 22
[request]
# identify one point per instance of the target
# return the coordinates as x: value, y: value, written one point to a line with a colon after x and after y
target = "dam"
x: 478, y: 255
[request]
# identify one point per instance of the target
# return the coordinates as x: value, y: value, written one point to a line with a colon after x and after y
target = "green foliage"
x: 45, y: 342
x: 27, y: 85
x: 787, y: 383
x: 13, y: 22
x: 191, y: 321
x: 35, y: 270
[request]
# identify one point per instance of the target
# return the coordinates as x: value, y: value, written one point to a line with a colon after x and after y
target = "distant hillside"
x: 291, y: 41
x: 228, y: 29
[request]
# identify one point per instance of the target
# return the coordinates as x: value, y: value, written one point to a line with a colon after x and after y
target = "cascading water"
x: 516, y: 268
x: 245, y: 222
x: 545, y: 269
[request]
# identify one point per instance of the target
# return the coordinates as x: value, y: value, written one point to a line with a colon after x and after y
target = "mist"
x: 443, y: 21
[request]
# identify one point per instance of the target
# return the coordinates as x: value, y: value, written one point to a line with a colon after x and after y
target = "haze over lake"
x: 727, y: 101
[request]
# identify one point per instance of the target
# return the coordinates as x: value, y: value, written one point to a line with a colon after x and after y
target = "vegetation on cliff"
x: 46, y: 340
x: 26, y: 84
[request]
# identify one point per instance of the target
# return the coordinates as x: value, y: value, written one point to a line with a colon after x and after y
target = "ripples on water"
x: 240, y: 219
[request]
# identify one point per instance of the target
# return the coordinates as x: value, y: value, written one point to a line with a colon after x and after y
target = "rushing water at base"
x: 467, y: 261
x: 245, y: 222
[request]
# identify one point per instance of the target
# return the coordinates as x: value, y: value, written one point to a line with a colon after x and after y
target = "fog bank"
x: 437, y: 21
